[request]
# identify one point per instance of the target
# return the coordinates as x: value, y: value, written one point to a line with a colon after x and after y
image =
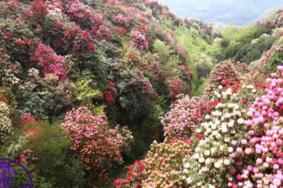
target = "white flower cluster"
x: 210, y: 159
x: 224, y: 119
x: 6, y: 128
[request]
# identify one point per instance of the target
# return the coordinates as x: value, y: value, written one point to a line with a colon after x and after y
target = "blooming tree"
x: 223, y: 74
x: 98, y: 145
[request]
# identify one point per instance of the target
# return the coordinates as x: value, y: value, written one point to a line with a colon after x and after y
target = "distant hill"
x: 238, y: 12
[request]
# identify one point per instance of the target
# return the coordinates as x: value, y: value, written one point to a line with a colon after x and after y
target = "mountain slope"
x: 88, y: 87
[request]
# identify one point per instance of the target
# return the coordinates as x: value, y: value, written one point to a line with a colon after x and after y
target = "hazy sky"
x: 237, y: 12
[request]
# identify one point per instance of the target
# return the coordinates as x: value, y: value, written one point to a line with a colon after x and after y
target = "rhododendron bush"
x: 163, y: 164
x: 135, y: 175
x: 50, y: 61
x: 265, y: 141
x: 185, y: 116
x: 223, y: 74
x: 210, y: 161
x: 98, y: 145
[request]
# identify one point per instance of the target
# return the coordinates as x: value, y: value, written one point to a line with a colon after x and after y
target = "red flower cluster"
x: 28, y: 118
x: 39, y: 8
x: 20, y: 42
x: 46, y: 57
x: 110, y: 94
x: 261, y: 85
x: 134, y: 176
x: 214, y: 103
x: 229, y: 83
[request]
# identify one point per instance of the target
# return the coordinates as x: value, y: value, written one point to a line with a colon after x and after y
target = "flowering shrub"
x: 84, y: 15
x: 265, y: 142
x: 98, y: 146
x: 83, y: 43
x: 222, y: 74
x: 135, y: 175
x: 122, y: 20
x: 139, y: 38
x: 6, y: 128
x: 176, y: 86
x: 184, y: 117
x: 110, y: 94
x: 210, y: 161
x: 50, y: 61
x: 38, y: 10
x: 163, y: 164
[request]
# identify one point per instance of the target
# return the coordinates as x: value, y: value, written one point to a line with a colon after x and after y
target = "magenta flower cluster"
x: 265, y: 144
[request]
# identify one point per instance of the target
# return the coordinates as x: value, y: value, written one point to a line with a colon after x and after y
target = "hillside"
x: 123, y: 94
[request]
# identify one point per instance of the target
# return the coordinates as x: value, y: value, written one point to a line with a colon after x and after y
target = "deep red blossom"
x: 47, y: 58
x: 214, y: 103
x: 134, y: 176
x: 108, y: 97
x: 110, y: 94
x: 28, y: 118
x: 39, y: 8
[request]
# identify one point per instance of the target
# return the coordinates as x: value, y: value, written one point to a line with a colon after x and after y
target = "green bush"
x: 55, y: 163
x: 275, y: 60
x: 162, y: 49
x: 245, y: 44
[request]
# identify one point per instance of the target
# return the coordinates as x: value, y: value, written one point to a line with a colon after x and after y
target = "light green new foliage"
x: 198, y: 50
x: 162, y: 49
x: 17, y: 146
x: 192, y: 42
x: 6, y: 128
x: 86, y: 93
